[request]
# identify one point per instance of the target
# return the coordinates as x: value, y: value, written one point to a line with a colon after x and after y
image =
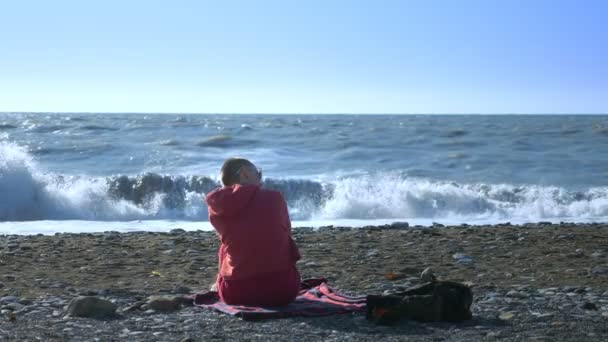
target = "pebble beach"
x: 532, y: 282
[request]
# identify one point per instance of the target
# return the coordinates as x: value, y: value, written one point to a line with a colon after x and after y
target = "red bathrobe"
x: 258, y: 255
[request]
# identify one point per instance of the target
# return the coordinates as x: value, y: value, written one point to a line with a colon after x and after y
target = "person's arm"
x: 285, y: 221
x: 295, y: 252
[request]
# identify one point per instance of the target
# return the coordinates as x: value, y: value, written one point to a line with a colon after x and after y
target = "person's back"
x: 258, y: 255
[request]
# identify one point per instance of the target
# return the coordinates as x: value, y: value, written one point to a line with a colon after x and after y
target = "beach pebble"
x: 88, y: 292
x: 427, y: 275
x: 181, y: 289
x: 589, y: 306
x: 462, y: 258
x: 506, y: 316
x: 517, y: 294
x: 33, y: 313
x: 493, y: 334
x: 372, y: 252
x: 25, y: 301
x: 87, y: 306
x: 568, y: 236
x: 8, y: 299
x: 597, y: 254
x: 13, y: 306
x: 602, y: 269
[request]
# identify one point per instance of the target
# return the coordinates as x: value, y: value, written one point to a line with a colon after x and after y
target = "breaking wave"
x: 28, y: 193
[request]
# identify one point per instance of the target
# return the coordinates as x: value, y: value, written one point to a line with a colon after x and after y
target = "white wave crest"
x: 383, y: 196
x: 27, y: 193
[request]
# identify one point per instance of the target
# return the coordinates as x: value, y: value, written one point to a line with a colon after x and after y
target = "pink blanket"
x: 316, y: 298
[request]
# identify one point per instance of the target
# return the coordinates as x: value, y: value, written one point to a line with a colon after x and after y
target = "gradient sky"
x: 425, y: 56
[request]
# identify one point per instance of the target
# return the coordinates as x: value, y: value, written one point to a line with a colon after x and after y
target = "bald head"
x: 231, y: 170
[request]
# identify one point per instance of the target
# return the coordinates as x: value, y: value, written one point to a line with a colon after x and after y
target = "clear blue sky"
x: 425, y: 56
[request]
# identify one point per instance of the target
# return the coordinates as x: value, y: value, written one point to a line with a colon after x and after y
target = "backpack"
x: 437, y: 301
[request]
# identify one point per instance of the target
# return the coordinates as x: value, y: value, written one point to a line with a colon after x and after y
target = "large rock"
x: 89, y: 306
x: 164, y: 303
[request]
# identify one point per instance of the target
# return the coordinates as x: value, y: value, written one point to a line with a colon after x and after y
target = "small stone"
x: 134, y: 306
x: 13, y: 306
x: 427, y: 275
x: 187, y: 339
x: 8, y: 299
x: 462, y: 258
x: 569, y: 288
x: 33, y: 313
x: 87, y: 306
x: 25, y: 301
x: 517, y: 294
x: 589, y: 306
x: 177, y: 231
x: 373, y: 252
x: 597, y: 254
x: 87, y: 292
x: 506, y: 316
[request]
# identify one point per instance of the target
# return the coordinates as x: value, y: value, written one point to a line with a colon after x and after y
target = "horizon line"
x: 285, y: 113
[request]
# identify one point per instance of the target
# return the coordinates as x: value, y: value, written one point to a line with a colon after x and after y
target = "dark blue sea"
x: 95, y: 172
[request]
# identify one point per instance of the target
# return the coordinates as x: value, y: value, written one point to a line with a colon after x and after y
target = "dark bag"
x: 430, y: 302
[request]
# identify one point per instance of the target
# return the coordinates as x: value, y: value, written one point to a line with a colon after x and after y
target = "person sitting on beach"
x: 257, y: 256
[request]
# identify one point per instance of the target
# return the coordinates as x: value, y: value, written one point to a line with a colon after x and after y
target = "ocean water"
x: 94, y: 172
